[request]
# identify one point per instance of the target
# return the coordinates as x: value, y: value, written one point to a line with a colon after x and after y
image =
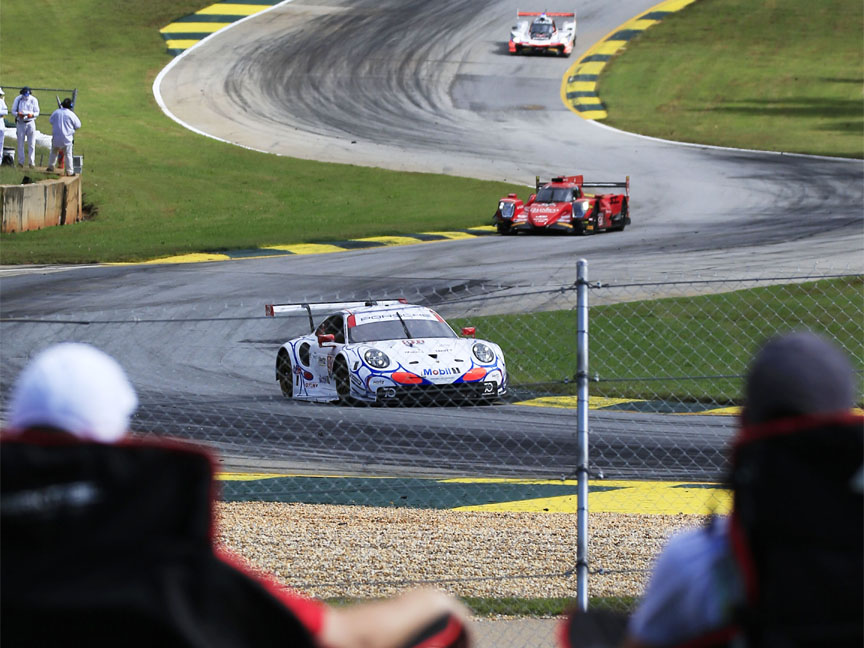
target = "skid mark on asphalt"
x: 501, y: 495
x: 579, y: 89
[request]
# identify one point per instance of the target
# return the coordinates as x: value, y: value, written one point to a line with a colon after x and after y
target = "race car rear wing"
x: 271, y: 310
x: 559, y: 14
x: 579, y: 181
x: 612, y: 185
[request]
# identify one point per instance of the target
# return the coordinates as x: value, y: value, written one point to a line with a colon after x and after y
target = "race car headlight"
x: 483, y: 353
x: 579, y: 209
x: 376, y: 358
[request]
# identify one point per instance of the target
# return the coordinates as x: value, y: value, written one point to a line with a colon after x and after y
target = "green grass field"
x: 160, y: 190
x: 780, y: 75
x: 636, y: 349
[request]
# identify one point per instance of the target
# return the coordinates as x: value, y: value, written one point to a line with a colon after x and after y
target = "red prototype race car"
x: 561, y: 205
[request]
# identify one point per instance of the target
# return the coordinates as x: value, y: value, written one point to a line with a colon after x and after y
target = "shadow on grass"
x: 849, y: 110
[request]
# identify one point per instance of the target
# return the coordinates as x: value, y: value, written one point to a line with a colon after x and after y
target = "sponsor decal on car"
x: 443, y: 371
x: 383, y: 316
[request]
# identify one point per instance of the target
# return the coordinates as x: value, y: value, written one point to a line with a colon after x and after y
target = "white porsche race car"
x: 386, y: 351
x: 543, y: 33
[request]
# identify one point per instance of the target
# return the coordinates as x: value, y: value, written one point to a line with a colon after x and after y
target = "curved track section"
x: 430, y: 87
x: 422, y: 86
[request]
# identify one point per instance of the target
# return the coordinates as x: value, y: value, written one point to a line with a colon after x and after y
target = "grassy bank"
x: 161, y: 190
x: 637, y: 351
x: 782, y: 75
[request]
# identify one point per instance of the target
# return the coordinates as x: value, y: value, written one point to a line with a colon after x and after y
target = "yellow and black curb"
x: 185, y: 32
x: 579, y: 89
x: 476, y: 494
x: 322, y: 248
x: 633, y: 406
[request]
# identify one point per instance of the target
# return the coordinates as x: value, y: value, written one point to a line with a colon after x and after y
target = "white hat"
x: 76, y: 388
x: 1, y: 91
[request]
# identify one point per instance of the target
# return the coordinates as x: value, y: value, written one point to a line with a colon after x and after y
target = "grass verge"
x: 161, y: 190
x: 688, y: 349
x: 726, y: 72
x: 771, y: 75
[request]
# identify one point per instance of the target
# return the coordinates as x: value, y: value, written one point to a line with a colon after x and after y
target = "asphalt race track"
x: 420, y: 86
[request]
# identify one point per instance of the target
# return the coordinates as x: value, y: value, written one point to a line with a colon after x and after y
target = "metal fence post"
x: 582, y: 433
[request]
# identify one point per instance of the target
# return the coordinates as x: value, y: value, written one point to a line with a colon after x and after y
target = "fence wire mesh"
x: 476, y: 496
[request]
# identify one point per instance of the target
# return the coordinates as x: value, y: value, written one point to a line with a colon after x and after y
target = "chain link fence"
x: 346, y: 500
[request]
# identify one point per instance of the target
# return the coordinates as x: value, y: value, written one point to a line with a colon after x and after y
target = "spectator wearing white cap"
x: 73, y: 389
x: 64, y: 123
x: 4, y: 110
x: 108, y: 540
x: 26, y: 110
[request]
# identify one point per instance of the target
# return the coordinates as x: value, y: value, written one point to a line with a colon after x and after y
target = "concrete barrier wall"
x: 42, y: 204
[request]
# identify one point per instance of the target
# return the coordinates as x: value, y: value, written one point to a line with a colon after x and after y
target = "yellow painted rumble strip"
x: 592, y: 67
x: 192, y: 28
x: 453, y: 236
x: 672, y: 5
x: 179, y: 44
x: 594, y: 114
x: 720, y: 411
x: 228, y: 9
x: 391, y: 240
x: 606, y: 46
x: 647, y: 498
x: 605, y: 496
x: 189, y: 258
x: 594, y: 402
x: 642, y: 25
x: 306, y: 248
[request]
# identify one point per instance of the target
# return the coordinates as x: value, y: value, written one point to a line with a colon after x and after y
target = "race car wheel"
x: 343, y: 380
x: 596, y: 220
x: 505, y: 228
x: 625, y: 216
x: 285, y: 376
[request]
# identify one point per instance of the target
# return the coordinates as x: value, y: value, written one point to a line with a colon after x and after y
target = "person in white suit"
x: 26, y: 110
x: 4, y: 110
x: 64, y: 123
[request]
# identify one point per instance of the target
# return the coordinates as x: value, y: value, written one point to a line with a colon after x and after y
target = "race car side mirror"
x: 469, y: 330
x: 325, y: 338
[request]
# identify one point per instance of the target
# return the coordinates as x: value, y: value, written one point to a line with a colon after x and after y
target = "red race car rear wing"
x: 578, y: 181
x: 625, y: 185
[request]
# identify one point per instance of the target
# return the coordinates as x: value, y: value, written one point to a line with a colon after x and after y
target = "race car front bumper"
x: 566, y: 228
x: 556, y: 49
x: 454, y: 392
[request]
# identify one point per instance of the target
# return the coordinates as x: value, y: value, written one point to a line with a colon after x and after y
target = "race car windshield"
x: 542, y: 29
x: 554, y: 194
x: 399, y: 330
